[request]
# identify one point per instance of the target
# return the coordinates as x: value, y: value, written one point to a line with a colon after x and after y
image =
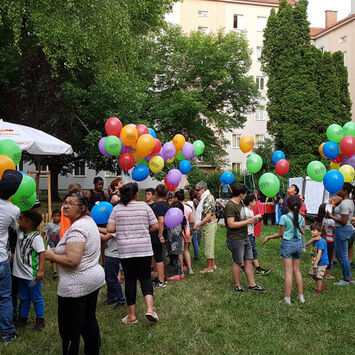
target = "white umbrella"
x: 33, y: 140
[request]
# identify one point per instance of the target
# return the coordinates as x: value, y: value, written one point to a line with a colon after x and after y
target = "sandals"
x: 126, y: 320
x: 206, y: 270
x: 152, y: 317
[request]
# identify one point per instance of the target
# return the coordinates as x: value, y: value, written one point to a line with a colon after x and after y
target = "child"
x: 29, y: 266
x: 149, y: 197
x: 250, y: 202
x: 319, y: 256
x: 290, y: 230
x: 51, y: 230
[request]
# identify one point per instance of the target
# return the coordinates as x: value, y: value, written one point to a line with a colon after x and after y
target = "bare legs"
x: 292, y: 267
x: 249, y: 273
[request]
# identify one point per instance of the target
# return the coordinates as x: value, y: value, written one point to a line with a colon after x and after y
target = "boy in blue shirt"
x: 319, y: 256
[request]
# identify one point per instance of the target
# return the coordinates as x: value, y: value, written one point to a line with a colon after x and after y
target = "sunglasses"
x: 197, y: 190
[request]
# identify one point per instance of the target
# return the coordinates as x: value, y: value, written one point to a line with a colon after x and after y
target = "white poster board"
x: 314, y: 195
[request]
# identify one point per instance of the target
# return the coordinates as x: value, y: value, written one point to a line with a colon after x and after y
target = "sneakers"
x: 191, y: 271
x: 185, y: 268
x: 260, y: 271
x: 11, y: 337
x: 256, y: 288
x: 238, y: 288
x: 287, y: 300
x: 160, y: 284
x: 324, y: 287
x: 342, y: 283
x: 301, y: 298
x: 317, y: 293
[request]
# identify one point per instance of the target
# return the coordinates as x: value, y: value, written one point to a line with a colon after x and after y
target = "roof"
x: 317, y: 32
x: 271, y: 2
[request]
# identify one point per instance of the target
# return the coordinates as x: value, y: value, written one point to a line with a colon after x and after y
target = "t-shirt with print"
x: 320, y: 245
x: 26, y: 260
x: 249, y: 213
x: 52, y: 231
x: 209, y: 205
x: 345, y: 207
x: 237, y: 211
x: 160, y: 208
x: 287, y: 221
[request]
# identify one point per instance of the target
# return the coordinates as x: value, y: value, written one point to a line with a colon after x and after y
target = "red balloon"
x: 282, y: 166
x: 156, y: 149
x: 126, y: 161
x: 169, y: 186
x: 338, y: 159
x: 113, y: 127
x: 142, y: 129
x: 347, y: 146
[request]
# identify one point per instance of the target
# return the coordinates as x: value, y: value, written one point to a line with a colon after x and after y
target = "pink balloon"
x: 174, y: 176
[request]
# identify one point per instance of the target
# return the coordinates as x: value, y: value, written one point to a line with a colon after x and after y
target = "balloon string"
x: 252, y: 177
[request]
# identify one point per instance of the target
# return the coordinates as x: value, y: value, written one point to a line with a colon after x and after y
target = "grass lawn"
x: 203, y: 315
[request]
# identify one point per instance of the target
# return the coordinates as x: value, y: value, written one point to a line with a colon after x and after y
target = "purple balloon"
x: 124, y: 148
x: 174, y: 177
x: 102, y: 149
x: 169, y: 150
x: 148, y: 157
x: 188, y: 150
x: 349, y: 161
x: 173, y: 217
x: 161, y: 154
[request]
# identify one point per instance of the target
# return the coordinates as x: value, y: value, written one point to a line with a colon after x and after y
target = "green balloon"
x: 180, y: 156
x: 254, y: 163
x: 143, y: 162
x: 11, y: 149
x: 113, y: 145
x: 27, y: 187
x: 24, y: 203
x: 335, y: 133
x: 349, y: 129
x: 316, y: 170
x: 269, y: 184
x: 199, y: 147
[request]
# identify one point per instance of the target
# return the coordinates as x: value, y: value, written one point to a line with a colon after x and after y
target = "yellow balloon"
x: 145, y: 145
x: 178, y: 141
x: 246, y: 143
x: 170, y: 160
x: 348, y: 172
x: 156, y: 164
x: 129, y: 135
x: 334, y: 166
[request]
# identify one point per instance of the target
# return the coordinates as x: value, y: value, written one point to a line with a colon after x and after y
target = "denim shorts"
x: 241, y: 250
x: 291, y: 249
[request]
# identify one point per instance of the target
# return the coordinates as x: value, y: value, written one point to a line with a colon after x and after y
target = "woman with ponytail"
x: 290, y: 230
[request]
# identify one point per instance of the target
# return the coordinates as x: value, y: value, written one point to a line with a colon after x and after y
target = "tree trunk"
x: 54, y: 168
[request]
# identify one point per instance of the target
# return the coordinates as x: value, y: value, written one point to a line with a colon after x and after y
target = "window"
x: 345, y: 58
x: 203, y: 29
x: 202, y: 13
x: 259, y: 138
x: 238, y: 22
x: 79, y: 168
x: 260, y: 114
x: 41, y: 167
x: 260, y: 82
x: 343, y: 39
x: 258, y: 52
x: 237, y: 167
x: 235, y: 140
x: 260, y: 23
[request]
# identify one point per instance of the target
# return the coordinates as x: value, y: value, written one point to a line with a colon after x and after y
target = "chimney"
x: 331, y: 18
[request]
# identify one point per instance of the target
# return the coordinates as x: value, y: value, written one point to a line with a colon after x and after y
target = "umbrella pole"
x: 49, y: 194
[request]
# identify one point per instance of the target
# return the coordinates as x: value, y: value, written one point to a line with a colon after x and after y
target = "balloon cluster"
x: 138, y: 147
x: 10, y: 155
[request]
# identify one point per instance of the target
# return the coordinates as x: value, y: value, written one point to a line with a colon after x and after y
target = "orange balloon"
x: 145, y: 145
x: 246, y: 143
x: 178, y: 141
x: 320, y: 149
x: 129, y: 135
x: 6, y: 163
x: 133, y: 151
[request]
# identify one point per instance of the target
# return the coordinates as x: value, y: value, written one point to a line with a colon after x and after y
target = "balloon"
x: 101, y: 212
x: 174, y: 176
x: 161, y: 154
x: 348, y: 172
x: 282, y: 167
x: 157, y: 147
x: 188, y: 150
x: 269, y: 184
x: 6, y: 163
x: 349, y: 161
x: 126, y: 161
x: 180, y: 156
x: 347, y: 145
x: 24, y: 203
x: 145, y: 145
x: 102, y: 148
x: 278, y: 155
x: 11, y: 149
x: 26, y: 189
x: 170, y: 160
x: 335, y: 133
x: 152, y: 132
x: 169, y: 150
x: 330, y: 150
x: 316, y: 170
x: 185, y: 166
x: 254, y: 163
x: 334, y: 166
x: 113, y: 145
x: 333, y: 181
x: 246, y: 143
x: 113, y: 126
x: 199, y: 147
x: 156, y: 164
x: 124, y: 148
x: 349, y: 129
x: 227, y: 178
x: 140, y: 172
x: 143, y: 162
x: 178, y: 141
x: 320, y: 149
x: 129, y: 135
x: 339, y: 158
x: 169, y: 186
x: 173, y: 217
x: 142, y: 129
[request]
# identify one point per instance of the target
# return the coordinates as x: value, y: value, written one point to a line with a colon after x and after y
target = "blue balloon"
x: 101, y: 212
x: 152, y: 132
x: 330, y: 150
x: 227, y: 178
x: 140, y: 172
x: 278, y: 155
x: 185, y: 166
x: 333, y: 181
x: 20, y: 171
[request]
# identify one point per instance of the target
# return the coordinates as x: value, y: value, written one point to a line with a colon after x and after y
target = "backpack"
x: 219, y: 210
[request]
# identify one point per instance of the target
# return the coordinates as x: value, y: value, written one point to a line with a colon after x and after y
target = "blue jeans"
x: 341, y: 237
x: 194, y: 242
x: 253, y: 245
x: 114, y: 289
x: 6, y: 325
x: 29, y: 294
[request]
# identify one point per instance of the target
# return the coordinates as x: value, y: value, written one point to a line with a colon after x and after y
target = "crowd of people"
x: 135, y: 245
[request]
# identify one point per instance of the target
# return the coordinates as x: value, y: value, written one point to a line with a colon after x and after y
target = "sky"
x: 316, y: 10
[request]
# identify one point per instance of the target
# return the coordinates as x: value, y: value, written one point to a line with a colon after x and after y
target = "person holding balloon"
x: 97, y: 193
